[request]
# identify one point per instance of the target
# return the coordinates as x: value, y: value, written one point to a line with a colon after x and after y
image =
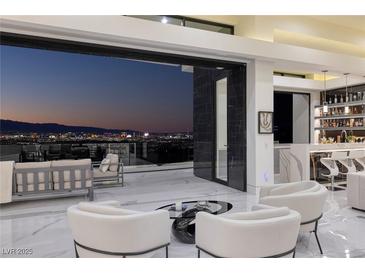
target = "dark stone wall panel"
x: 203, y: 119
x: 204, y: 124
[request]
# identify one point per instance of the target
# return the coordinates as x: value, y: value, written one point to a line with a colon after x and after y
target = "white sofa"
x: 106, y: 230
x: 306, y: 197
x: 356, y: 190
x: 263, y: 232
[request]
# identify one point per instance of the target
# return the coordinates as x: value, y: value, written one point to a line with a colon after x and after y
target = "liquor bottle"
x: 341, y: 99
x: 335, y: 100
x: 330, y: 101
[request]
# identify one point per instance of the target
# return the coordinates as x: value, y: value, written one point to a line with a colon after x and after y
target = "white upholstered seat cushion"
x: 98, y: 174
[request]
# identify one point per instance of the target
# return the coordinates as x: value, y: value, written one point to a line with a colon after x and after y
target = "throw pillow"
x: 104, y: 165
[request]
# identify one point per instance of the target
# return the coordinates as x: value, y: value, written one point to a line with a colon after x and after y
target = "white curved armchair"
x: 263, y: 233
x: 307, y: 197
x: 106, y: 230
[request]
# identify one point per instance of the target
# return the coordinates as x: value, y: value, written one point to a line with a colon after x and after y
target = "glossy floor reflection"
x: 41, y: 226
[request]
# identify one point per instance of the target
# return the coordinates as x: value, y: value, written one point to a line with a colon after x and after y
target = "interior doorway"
x: 291, y: 117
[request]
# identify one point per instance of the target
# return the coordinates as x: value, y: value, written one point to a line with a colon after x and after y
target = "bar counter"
x: 300, y: 158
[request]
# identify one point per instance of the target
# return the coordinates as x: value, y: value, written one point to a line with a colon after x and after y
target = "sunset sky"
x: 85, y: 90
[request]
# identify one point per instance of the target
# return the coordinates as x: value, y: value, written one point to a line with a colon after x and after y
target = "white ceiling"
x: 353, y: 21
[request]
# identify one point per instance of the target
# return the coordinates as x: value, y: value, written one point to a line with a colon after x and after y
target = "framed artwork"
x: 265, y: 122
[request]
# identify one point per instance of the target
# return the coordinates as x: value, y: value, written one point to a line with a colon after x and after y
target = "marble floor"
x: 41, y: 226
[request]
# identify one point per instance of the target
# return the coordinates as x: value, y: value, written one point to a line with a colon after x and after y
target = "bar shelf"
x: 352, y: 103
x: 349, y: 116
x: 339, y: 128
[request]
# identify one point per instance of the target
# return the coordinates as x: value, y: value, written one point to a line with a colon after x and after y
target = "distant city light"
x: 146, y: 134
x: 129, y: 136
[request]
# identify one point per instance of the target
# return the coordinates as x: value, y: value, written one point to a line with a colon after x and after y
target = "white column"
x: 260, y: 147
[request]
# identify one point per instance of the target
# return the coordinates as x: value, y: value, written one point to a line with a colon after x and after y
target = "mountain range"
x: 10, y: 126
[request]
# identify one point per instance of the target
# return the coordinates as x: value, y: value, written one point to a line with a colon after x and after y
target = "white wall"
x: 260, y: 147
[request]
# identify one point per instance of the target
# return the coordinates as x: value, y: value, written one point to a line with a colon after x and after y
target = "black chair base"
x: 120, y: 254
x: 362, y: 210
x: 273, y: 256
x: 315, y: 230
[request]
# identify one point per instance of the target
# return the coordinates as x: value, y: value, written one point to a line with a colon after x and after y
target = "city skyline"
x: 41, y: 86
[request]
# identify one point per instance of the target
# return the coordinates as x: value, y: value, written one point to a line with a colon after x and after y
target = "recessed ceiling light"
x: 164, y: 20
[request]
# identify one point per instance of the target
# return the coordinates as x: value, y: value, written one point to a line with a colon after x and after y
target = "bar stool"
x: 346, y: 161
x: 359, y: 157
x: 330, y: 164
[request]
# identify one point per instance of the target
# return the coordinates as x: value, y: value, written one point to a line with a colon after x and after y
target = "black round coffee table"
x: 183, y: 227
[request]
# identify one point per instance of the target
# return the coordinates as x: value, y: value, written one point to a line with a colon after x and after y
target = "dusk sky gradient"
x: 85, y: 90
